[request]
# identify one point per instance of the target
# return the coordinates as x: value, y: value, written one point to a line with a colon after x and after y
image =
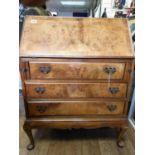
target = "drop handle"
x: 114, y: 90
x: 40, y: 90
x: 45, y: 70
x: 112, y: 108
x: 110, y: 70
x: 41, y: 109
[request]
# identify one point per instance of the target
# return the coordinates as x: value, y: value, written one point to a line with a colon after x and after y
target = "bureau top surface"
x: 75, y: 37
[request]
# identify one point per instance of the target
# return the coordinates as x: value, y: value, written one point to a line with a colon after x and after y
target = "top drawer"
x: 76, y: 70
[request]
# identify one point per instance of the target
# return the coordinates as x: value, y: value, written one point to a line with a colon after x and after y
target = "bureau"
x: 76, y: 73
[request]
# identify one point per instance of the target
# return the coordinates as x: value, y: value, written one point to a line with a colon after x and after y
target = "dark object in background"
x: 132, y: 4
x: 119, y: 4
x: 133, y: 11
x: 104, y: 15
x: 33, y: 2
x: 123, y: 2
x: 129, y: 13
x: 80, y: 14
x: 119, y: 14
x: 133, y: 38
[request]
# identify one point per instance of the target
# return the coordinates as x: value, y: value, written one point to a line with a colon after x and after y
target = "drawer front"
x: 75, y: 90
x: 75, y: 108
x: 76, y: 70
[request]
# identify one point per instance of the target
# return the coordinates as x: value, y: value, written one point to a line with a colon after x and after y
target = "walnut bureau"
x: 76, y: 73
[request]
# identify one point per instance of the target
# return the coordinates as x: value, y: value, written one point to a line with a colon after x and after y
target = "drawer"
x: 47, y: 108
x: 76, y: 70
x: 74, y: 90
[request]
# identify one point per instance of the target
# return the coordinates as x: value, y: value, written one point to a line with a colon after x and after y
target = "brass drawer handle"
x: 45, y: 70
x: 114, y: 90
x: 110, y: 70
x: 112, y: 108
x: 40, y: 90
x: 41, y: 109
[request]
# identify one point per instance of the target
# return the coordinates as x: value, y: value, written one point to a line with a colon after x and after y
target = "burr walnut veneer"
x: 76, y: 73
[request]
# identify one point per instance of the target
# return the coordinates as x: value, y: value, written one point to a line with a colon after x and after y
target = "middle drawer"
x: 42, y: 89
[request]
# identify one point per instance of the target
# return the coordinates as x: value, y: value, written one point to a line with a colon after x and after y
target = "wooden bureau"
x: 76, y: 73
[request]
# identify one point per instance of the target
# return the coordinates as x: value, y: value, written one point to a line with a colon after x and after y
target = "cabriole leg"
x: 120, y: 139
x: 28, y: 131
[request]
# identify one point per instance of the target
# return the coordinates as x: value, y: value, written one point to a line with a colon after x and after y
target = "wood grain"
x: 74, y: 90
x: 77, y: 122
x: 62, y: 65
x: 75, y: 70
x: 75, y: 38
x: 74, y: 108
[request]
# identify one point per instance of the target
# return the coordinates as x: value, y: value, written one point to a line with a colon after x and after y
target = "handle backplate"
x: 110, y: 70
x: 114, y: 90
x: 112, y: 108
x: 41, y: 109
x: 40, y: 90
x: 45, y: 70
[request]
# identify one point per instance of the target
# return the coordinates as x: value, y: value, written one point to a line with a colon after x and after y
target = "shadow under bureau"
x: 76, y: 73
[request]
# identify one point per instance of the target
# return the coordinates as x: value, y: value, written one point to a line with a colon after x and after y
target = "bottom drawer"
x: 49, y: 108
